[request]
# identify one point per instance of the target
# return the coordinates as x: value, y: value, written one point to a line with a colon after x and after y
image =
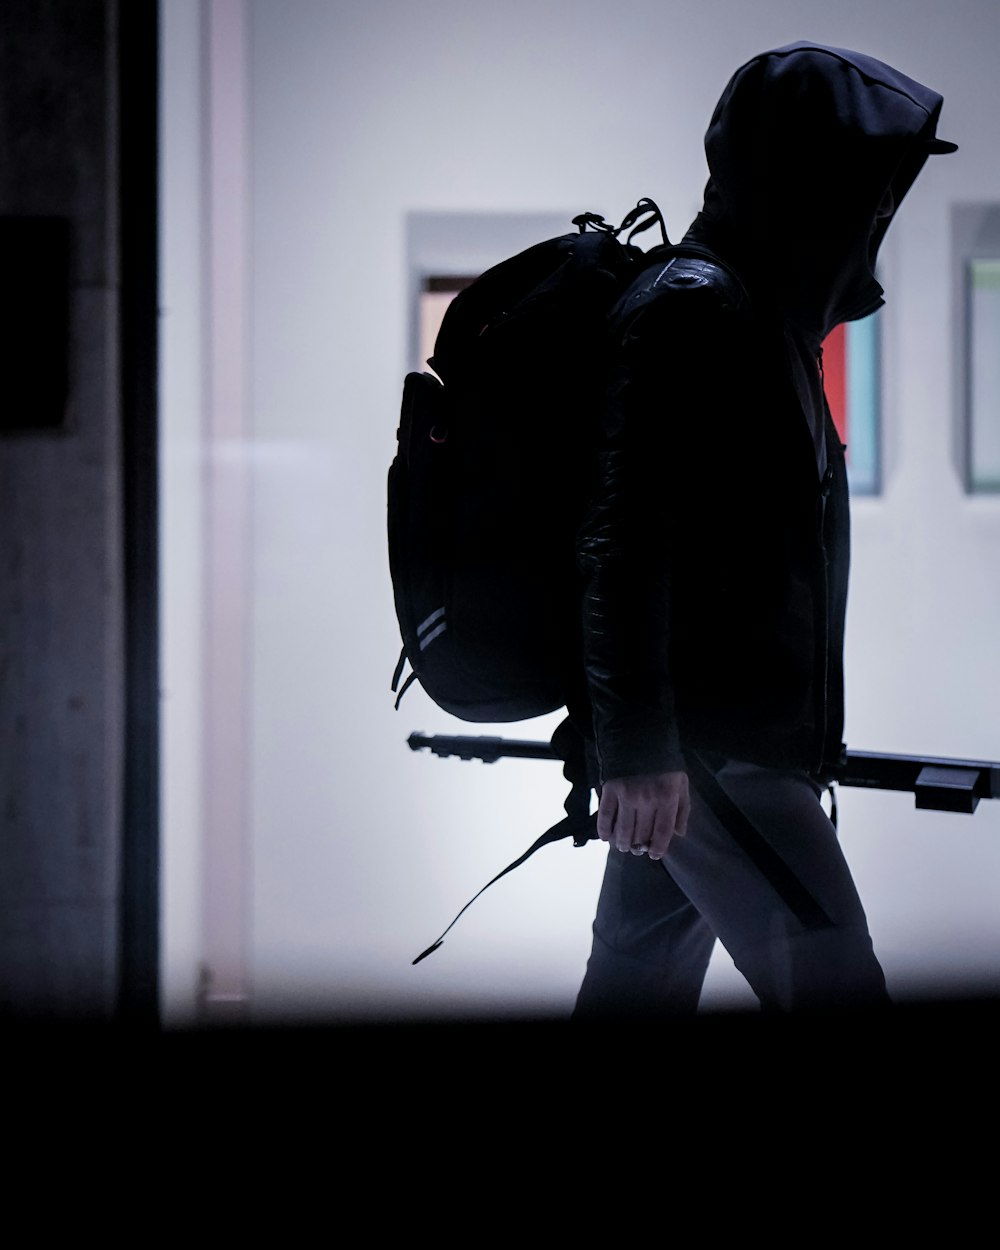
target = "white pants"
x: 657, y: 921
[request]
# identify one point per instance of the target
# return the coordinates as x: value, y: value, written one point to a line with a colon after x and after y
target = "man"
x: 716, y: 550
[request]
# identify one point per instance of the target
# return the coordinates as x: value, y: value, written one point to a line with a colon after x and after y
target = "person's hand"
x: 642, y: 813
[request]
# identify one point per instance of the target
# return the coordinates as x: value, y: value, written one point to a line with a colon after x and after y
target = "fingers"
x: 625, y: 828
x: 606, y: 813
x: 641, y: 815
x: 617, y: 824
x: 663, y: 830
x: 635, y: 830
x: 670, y: 818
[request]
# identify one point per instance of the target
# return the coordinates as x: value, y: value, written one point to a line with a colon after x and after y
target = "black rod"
x: 939, y: 782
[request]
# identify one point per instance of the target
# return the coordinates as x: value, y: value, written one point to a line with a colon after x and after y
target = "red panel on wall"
x: 835, y: 377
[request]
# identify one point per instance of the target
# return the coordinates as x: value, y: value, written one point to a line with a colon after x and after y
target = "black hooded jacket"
x: 715, y: 554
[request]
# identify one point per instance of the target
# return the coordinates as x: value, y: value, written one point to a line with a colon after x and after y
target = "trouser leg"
x: 790, y: 964
x: 656, y: 922
x: 651, y: 947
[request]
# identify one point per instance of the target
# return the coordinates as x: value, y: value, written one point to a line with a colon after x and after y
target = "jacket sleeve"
x: 660, y: 395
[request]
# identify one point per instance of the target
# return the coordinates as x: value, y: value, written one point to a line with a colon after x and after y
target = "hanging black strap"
x: 746, y: 835
x: 571, y: 747
x: 563, y: 829
x: 406, y: 685
x: 398, y: 670
x: 578, y: 823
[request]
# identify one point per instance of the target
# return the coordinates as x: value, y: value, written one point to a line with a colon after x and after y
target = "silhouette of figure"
x: 716, y: 550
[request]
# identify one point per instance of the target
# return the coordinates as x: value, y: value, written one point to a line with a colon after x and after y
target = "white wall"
x: 363, y: 851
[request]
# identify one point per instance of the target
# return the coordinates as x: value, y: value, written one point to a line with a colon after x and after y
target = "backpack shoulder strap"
x: 679, y: 282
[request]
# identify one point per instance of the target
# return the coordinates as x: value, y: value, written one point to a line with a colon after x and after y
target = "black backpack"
x: 495, y: 465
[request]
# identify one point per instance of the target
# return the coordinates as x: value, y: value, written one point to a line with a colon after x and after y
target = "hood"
x: 811, y: 150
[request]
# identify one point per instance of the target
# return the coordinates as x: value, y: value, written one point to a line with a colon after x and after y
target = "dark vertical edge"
x: 968, y: 463
x: 138, y: 207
